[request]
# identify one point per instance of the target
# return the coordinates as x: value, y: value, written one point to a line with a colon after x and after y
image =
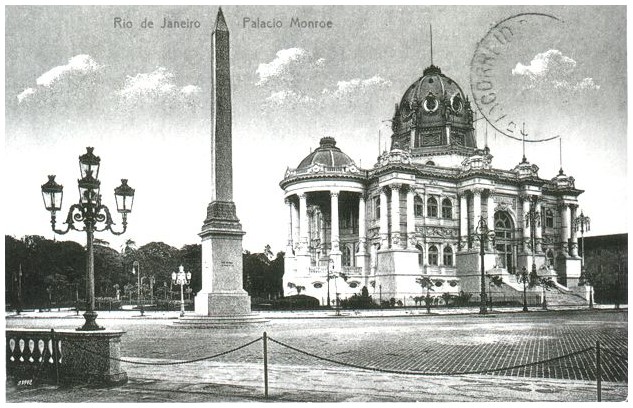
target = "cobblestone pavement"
x: 437, y: 344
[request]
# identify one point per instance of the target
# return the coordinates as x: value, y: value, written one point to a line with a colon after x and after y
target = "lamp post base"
x: 91, y: 323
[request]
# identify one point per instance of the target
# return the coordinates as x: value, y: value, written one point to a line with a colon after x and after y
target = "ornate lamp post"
x: 94, y: 216
x: 181, y: 278
x: 524, y: 278
x: 533, y: 219
x: 484, y: 234
x: 581, y: 223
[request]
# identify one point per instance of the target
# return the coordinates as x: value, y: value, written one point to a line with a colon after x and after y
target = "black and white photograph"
x: 315, y: 203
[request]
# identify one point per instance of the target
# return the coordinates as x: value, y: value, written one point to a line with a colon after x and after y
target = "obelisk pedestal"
x: 222, y: 292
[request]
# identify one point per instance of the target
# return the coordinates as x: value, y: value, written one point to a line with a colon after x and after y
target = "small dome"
x: 327, y: 154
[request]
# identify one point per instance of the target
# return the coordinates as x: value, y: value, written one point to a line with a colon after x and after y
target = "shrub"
x: 295, y: 302
x: 358, y: 302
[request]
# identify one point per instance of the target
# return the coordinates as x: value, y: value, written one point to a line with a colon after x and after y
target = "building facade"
x: 420, y: 210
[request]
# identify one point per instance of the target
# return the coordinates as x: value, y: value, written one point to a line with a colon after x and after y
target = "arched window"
x: 418, y: 206
x: 420, y: 255
x: 433, y: 255
x: 549, y: 219
x: 447, y: 209
x: 504, y: 239
x: 448, y: 256
x: 431, y: 207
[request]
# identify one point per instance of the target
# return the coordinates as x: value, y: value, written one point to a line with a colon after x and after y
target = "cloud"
x: 155, y: 86
x: 25, y: 94
x: 78, y: 66
x: 357, y: 86
x: 295, y: 77
x: 287, y: 97
x: 190, y: 90
x: 287, y: 65
x: 554, y: 70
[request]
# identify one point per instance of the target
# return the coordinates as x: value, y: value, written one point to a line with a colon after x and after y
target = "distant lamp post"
x: 94, y: 216
x: 181, y: 278
x: 582, y: 223
x: 333, y: 275
x: 524, y: 278
x: 18, y: 309
x: 329, y: 274
x: 136, y: 270
x: 484, y: 234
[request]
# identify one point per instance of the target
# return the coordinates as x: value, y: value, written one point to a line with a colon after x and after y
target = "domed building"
x: 421, y: 209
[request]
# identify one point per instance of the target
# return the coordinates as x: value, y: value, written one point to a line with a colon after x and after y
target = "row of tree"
x: 41, y: 272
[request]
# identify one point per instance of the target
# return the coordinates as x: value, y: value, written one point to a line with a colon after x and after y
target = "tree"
x: 426, y: 283
x: 263, y: 274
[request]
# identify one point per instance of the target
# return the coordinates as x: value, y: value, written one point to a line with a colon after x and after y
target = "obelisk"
x: 222, y: 294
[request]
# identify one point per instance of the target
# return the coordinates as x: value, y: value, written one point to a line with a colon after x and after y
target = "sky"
x: 141, y: 97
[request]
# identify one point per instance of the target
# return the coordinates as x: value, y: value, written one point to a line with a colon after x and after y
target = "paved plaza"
x: 456, y: 352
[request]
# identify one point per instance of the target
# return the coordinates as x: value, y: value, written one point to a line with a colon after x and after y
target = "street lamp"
x: 181, y: 278
x: 484, y: 234
x: 524, y: 277
x: 533, y: 219
x: 582, y: 223
x: 94, y: 215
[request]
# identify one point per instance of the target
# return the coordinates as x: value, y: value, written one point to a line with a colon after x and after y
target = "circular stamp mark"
x: 485, y: 77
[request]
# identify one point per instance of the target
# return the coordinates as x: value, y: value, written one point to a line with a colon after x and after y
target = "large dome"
x: 433, y: 112
x: 327, y: 154
x: 431, y: 89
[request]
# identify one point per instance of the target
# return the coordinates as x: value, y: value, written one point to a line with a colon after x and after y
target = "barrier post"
x: 55, y: 359
x: 265, y: 338
x: 598, y: 371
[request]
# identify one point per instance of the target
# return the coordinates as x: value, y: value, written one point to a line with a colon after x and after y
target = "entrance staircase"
x: 512, y: 290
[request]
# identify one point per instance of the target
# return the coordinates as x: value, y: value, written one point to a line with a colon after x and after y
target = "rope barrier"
x: 614, y: 354
x: 429, y: 373
x: 170, y: 363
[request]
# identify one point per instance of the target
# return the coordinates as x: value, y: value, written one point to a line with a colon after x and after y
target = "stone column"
x: 322, y: 232
x: 384, y: 222
x: 290, y: 228
x: 303, y: 223
x: 295, y: 225
x: 490, y: 217
x: 527, y: 236
x: 362, y: 227
x: 395, y: 216
x: 335, y: 224
x: 410, y: 218
x: 476, y: 213
x: 573, y: 232
x: 564, y: 227
x: 463, y: 221
x: 539, y: 228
